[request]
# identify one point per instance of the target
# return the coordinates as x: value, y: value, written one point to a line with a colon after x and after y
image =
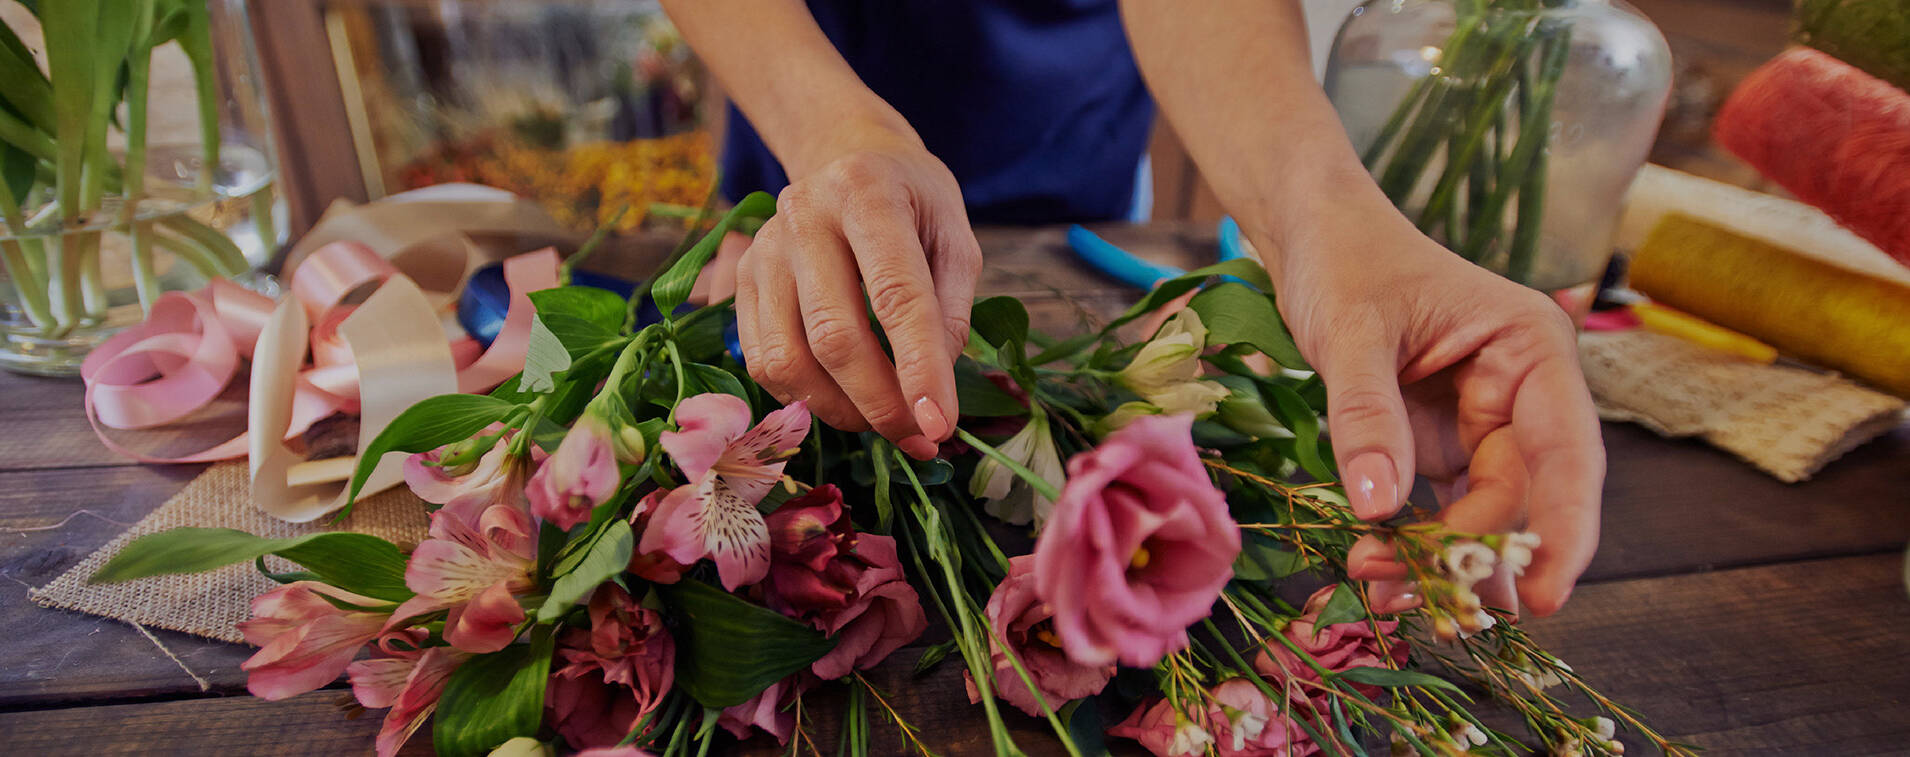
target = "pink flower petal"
x: 706, y: 424
x: 487, y: 624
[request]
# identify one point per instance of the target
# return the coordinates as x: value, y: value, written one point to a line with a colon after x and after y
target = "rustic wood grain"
x: 312, y: 724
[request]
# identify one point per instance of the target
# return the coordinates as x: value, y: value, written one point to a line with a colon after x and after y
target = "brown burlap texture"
x: 211, y: 604
x: 1789, y: 422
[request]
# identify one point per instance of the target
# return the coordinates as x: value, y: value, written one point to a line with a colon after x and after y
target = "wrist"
x: 830, y: 133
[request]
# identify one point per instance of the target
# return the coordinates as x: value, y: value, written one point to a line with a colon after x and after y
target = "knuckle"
x: 773, y: 368
x: 890, y: 419
x: 862, y: 169
x: 1360, y: 405
x: 794, y: 201
x: 833, y: 337
x: 896, y: 296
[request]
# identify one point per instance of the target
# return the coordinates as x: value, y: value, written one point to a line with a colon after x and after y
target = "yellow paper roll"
x: 1805, y: 307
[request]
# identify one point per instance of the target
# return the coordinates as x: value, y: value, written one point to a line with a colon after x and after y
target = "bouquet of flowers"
x: 633, y: 544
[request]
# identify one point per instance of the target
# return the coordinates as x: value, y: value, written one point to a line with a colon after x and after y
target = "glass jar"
x: 1442, y: 97
x: 586, y: 106
x: 202, y: 206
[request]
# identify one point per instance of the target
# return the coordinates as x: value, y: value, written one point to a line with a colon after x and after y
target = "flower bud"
x: 1245, y: 413
x: 630, y: 445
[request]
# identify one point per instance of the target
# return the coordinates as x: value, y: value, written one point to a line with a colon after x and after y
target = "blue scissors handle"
x: 1125, y: 267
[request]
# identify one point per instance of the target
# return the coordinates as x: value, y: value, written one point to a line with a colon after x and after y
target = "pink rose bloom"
x: 1164, y: 731
x: 885, y: 615
x: 1138, y: 546
x: 1020, y: 616
x: 305, y: 641
x: 1337, y: 647
x: 608, y: 677
x: 579, y: 476
x: 497, y: 478
x: 409, y: 681
x: 813, y: 567
x: 474, y: 570
x: 769, y: 710
x: 730, y: 465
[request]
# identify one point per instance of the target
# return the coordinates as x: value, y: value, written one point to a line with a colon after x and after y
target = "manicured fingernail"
x: 919, y: 447
x: 929, y: 418
x: 1390, y: 597
x: 1371, y: 486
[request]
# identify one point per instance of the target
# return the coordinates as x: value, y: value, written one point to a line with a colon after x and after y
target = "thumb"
x: 1366, y: 418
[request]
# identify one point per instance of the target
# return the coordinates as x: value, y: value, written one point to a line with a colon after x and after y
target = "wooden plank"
x: 1797, y: 658
x: 312, y: 724
x: 45, y: 427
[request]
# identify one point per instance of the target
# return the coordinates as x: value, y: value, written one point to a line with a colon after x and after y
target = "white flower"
x: 1470, y: 562
x: 522, y: 746
x: 1481, y: 620
x: 1166, y: 372
x: 1124, y: 415
x: 1604, y: 728
x: 1542, y: 679
x: 1007, y: 496
x: 1468, y: 735
x: 1516, y: 553
x: 1244, y: 725
x: 1189, y: 740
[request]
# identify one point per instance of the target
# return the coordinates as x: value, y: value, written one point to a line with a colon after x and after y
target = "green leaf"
x: 1391, y: 678
x: 1261, y: 560
x: 1085, y: 725
x: 17, y: 172
x: 728, y: 650
x: 358, y: 563
x: 933, y: 472
x: 1294, y: 413
x: 1000, y: 321
x: 981, y: 398
x: 26, y: 88
x: 1343, y: 607
x: 579, y: 337
x: 432, y: 423
x: 493, y: 698
x: 608, y: 557
x: 933, y: 656
x: 1234, y: 314
x: 546, y: 355
x: 1065, y: 349
x: 673, y: 286
x: 599, y: 307
x: 1239, y: 268
x: 714, y: 379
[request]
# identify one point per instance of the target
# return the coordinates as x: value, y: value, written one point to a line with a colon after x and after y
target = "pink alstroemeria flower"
x: 885, y: 616
x: 496, y: 479
x: 1246, y: 723
x: 769, y: 710
x: 475, y: 571
x: 1138, y: 546
x: 410, y: 683
x: 579, y: 476
x: 1337, y: 647
x: 730, y: 467
x: 606, y: 678
x: 1020, y: 617
x: 304, y: 640
x: 813, y: 567
x: 1164, y: 731
x: 655, y: 567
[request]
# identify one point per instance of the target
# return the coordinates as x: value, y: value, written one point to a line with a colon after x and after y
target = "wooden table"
x: 1736, y: 612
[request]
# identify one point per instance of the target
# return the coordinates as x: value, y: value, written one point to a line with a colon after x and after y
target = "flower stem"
x: 590, y: 245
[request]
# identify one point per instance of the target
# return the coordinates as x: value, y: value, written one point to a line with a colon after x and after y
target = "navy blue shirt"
x: 1036, y: 106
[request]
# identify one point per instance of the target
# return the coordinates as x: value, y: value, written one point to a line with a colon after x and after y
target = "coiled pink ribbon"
x: 186, y: 353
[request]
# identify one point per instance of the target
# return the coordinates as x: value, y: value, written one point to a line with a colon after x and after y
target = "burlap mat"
x: 1789, y: 422
x: 211, y: 604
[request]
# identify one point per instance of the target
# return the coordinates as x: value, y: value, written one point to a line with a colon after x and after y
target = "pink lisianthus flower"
x: 609, y: 676
x: 812, y: 565
x: 497, y: 478
x: 1337, y: 647
x: 730, y: 466
x: 1138, y: 547
x: 769, y: 710
x: 885, y: 615
x: 579, y: 476
x: 409, y: 681
x: 304, y: 640
x: 1020, y: 617
x: 474, y: 570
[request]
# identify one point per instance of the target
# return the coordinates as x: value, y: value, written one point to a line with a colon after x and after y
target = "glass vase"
x: 589, y: 107
x: 1508, y: 130
x: 175, y: 188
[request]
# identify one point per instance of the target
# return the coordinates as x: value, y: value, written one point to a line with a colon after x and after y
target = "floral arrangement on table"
x: 633, y: 545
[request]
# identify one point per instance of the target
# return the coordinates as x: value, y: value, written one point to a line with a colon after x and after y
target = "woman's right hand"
x: 880, y: 217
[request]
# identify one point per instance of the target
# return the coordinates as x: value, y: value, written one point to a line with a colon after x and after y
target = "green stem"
x: 231, y: 260
x: 1061, y: 731
x: 197, y: 43
x: 92, y: 287
x: 590, y: 246
x: 145, y: 281
x: 32, y: 290
x: 63, y: 281
x: 1534, y: 132
x: 1459, y: 161
x: 20, y: 134
x: 138, y: 95
x: 262, y: 207
x: 189, y: 251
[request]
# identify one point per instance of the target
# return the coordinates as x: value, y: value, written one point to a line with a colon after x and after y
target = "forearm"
x: 1236, y: 82
x: 779, y: 69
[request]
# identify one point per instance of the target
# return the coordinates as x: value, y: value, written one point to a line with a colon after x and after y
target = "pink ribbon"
x: 186, y: 353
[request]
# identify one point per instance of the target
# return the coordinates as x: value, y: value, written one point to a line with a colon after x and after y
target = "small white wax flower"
x: 1189, y: 740
x: 1469, y: 735
x: 1246, y: 726
x: 1539, y: 679
x: 1469, y: 562
x: 1516, y: 554
x: 1481, y: 620
x: 1604, y: 728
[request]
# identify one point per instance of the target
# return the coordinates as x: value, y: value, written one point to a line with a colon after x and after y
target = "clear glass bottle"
x: 202, y: 206
x: 1441, y: 97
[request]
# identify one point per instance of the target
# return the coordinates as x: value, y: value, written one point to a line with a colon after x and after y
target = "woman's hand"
x: 881, y: 217
x: 1435, y: 366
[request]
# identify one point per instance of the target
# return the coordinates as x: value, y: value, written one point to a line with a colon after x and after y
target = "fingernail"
x: 919, y: 447
x: 929, y: 418
x: 1389, y: 597
x: 1371, y: 486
